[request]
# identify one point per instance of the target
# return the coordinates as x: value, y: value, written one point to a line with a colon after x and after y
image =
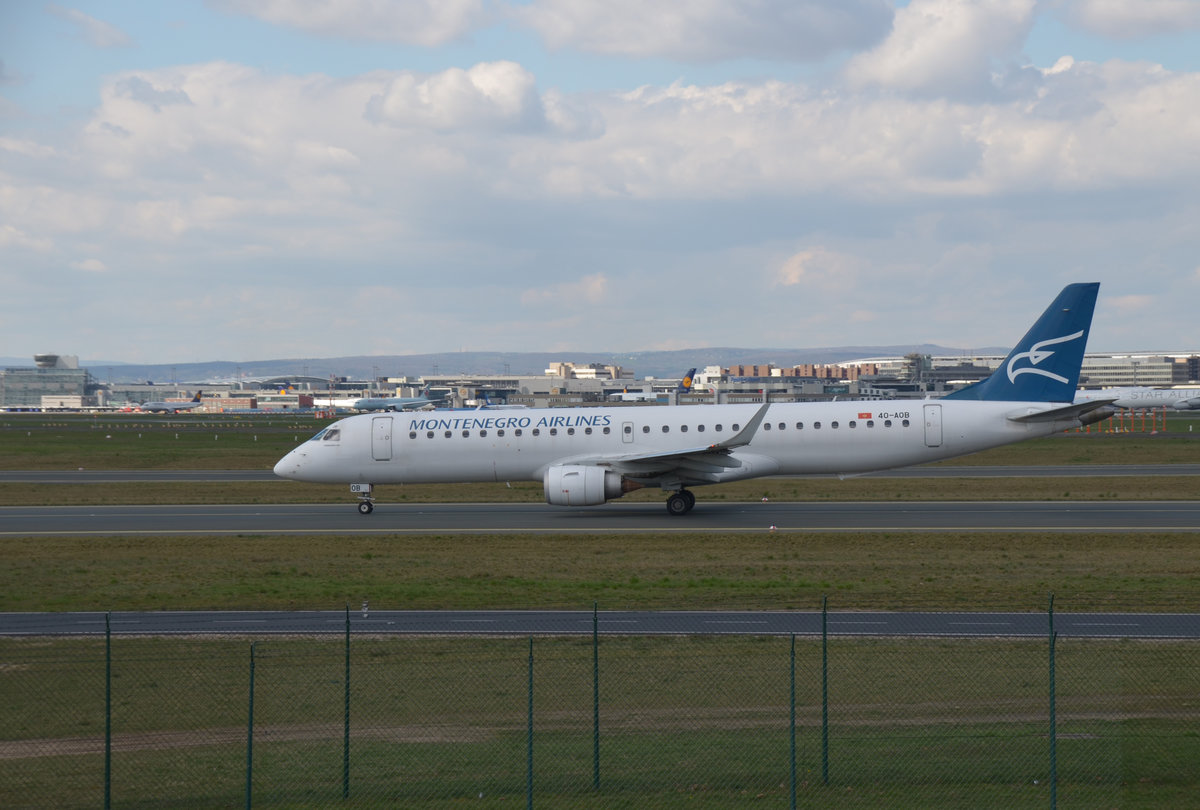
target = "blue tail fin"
x: 685, y: 385
x: 1044, y: 366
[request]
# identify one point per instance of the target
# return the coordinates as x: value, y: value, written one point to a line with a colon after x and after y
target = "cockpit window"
x: 329, y: 434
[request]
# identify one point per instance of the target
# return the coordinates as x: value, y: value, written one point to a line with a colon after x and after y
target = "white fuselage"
x: 1132, y: 398
x: 794, y: 438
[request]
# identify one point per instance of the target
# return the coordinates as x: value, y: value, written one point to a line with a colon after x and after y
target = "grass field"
x: 697, y: 722
x: 684, y: 721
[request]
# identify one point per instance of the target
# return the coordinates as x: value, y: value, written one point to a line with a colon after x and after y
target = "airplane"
x: 684, y: 387
x: 1136, y: 397
x: 588, y: 456
x: 397, y: 403
x: 172, y: 407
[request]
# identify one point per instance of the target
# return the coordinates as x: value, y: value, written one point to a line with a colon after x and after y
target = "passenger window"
x: 699, y: 428
x: 887, y: 422
x: 447, y: 434
x: 904, y: 423
x: 517, y: 432
x: 483, y: 434
x: 717, y: 428
x: 853, y: 423
x: 537, y: 432
x: 799, y: 426
x: 500, y: 434
x: 645, y: 428
x: 816, y: 425
x: 429, y: 435
x: 833, y: 425
x: 412, y: 434
x: 766, y: 425
x: 735, y: 427
x: 870, y: 423
x: 587, y: 431
x: 553, y: 431
x: 607, y: 431
x: 683, y: 428
x: 666, y: 429
x: 570, y: 431
x: 466, y: 434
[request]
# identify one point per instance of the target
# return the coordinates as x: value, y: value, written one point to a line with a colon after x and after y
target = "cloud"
x: 415, y: 22
x: 490, y: 95
x: 97, y: 32
x: 818, y: 269
x: 90, y: 266
x: 591, y: 289
x: 12, y: 237
x: 1133, y: 19
x: 708, y: 30
x: 945, y: 47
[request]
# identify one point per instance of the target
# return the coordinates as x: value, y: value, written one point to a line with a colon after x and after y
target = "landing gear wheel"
x: 365, y: 507
x: 680, y: 503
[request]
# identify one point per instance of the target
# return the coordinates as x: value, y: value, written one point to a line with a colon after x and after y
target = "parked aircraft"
x: 1135, y: 397
x: 587, y: 456
x: 172, y: 407
x: 685, y: 386
x: 398, y: 403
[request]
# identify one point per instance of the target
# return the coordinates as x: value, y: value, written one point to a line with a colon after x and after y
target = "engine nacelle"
x: 581, y: 485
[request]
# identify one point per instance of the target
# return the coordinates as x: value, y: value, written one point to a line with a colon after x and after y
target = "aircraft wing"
x: 692, y: 463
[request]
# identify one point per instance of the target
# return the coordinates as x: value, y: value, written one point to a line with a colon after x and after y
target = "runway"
x: 85, y: 476
x: 710, y: 516
x: 550, y: 622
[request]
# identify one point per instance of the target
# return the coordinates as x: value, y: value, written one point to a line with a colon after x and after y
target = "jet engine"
x: 582, y: 485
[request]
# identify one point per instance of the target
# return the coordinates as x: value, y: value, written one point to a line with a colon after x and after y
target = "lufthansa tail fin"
x: 198, y: 395
x: 1044, y: 366
x: 685, y: 385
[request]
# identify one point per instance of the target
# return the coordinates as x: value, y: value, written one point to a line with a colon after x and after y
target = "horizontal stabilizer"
x: 1066, y: 412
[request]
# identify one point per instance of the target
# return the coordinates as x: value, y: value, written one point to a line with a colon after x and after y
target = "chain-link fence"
x: 598, y: 720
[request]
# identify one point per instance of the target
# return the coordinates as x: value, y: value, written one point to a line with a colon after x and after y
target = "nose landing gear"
x: 680, y: 503
x: 366, y: 503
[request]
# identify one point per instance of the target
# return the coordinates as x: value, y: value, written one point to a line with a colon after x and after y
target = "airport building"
x: 53, y: 382
x: 57, y: 382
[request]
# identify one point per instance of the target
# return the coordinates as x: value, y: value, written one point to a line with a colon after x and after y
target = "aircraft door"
x: 627, y: 432
x: 933, y: 425
x: 381, y: 438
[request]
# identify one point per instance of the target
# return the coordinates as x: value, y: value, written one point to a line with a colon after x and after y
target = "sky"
x: 256, y: 179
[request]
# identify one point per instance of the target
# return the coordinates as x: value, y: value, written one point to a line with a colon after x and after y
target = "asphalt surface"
x: 85, y: 476
x: 525, y: 623
x: 715, y: 516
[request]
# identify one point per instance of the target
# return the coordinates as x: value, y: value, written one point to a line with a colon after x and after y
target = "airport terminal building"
x: 56, y: 382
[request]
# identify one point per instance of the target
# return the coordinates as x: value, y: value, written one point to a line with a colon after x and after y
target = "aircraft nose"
x: 288, y: 466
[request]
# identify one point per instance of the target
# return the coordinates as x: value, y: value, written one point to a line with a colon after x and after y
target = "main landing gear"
x: 680, y: 502
x: 366, y: 503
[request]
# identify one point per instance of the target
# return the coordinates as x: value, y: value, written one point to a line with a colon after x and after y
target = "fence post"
x: 346, y: 722
x: 529, y: 736
x: 792, y: 721
x: 107, y: 710
x: 595, y: 697
x: 825, y: 689
x: 250, y: 731
x: 1053, y: 715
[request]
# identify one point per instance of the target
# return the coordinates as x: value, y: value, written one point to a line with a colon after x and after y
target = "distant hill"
x: 643, y: 364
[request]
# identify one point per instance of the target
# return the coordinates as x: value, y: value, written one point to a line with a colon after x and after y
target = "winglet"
x: 1044, y: 366
x: 744, y: 436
